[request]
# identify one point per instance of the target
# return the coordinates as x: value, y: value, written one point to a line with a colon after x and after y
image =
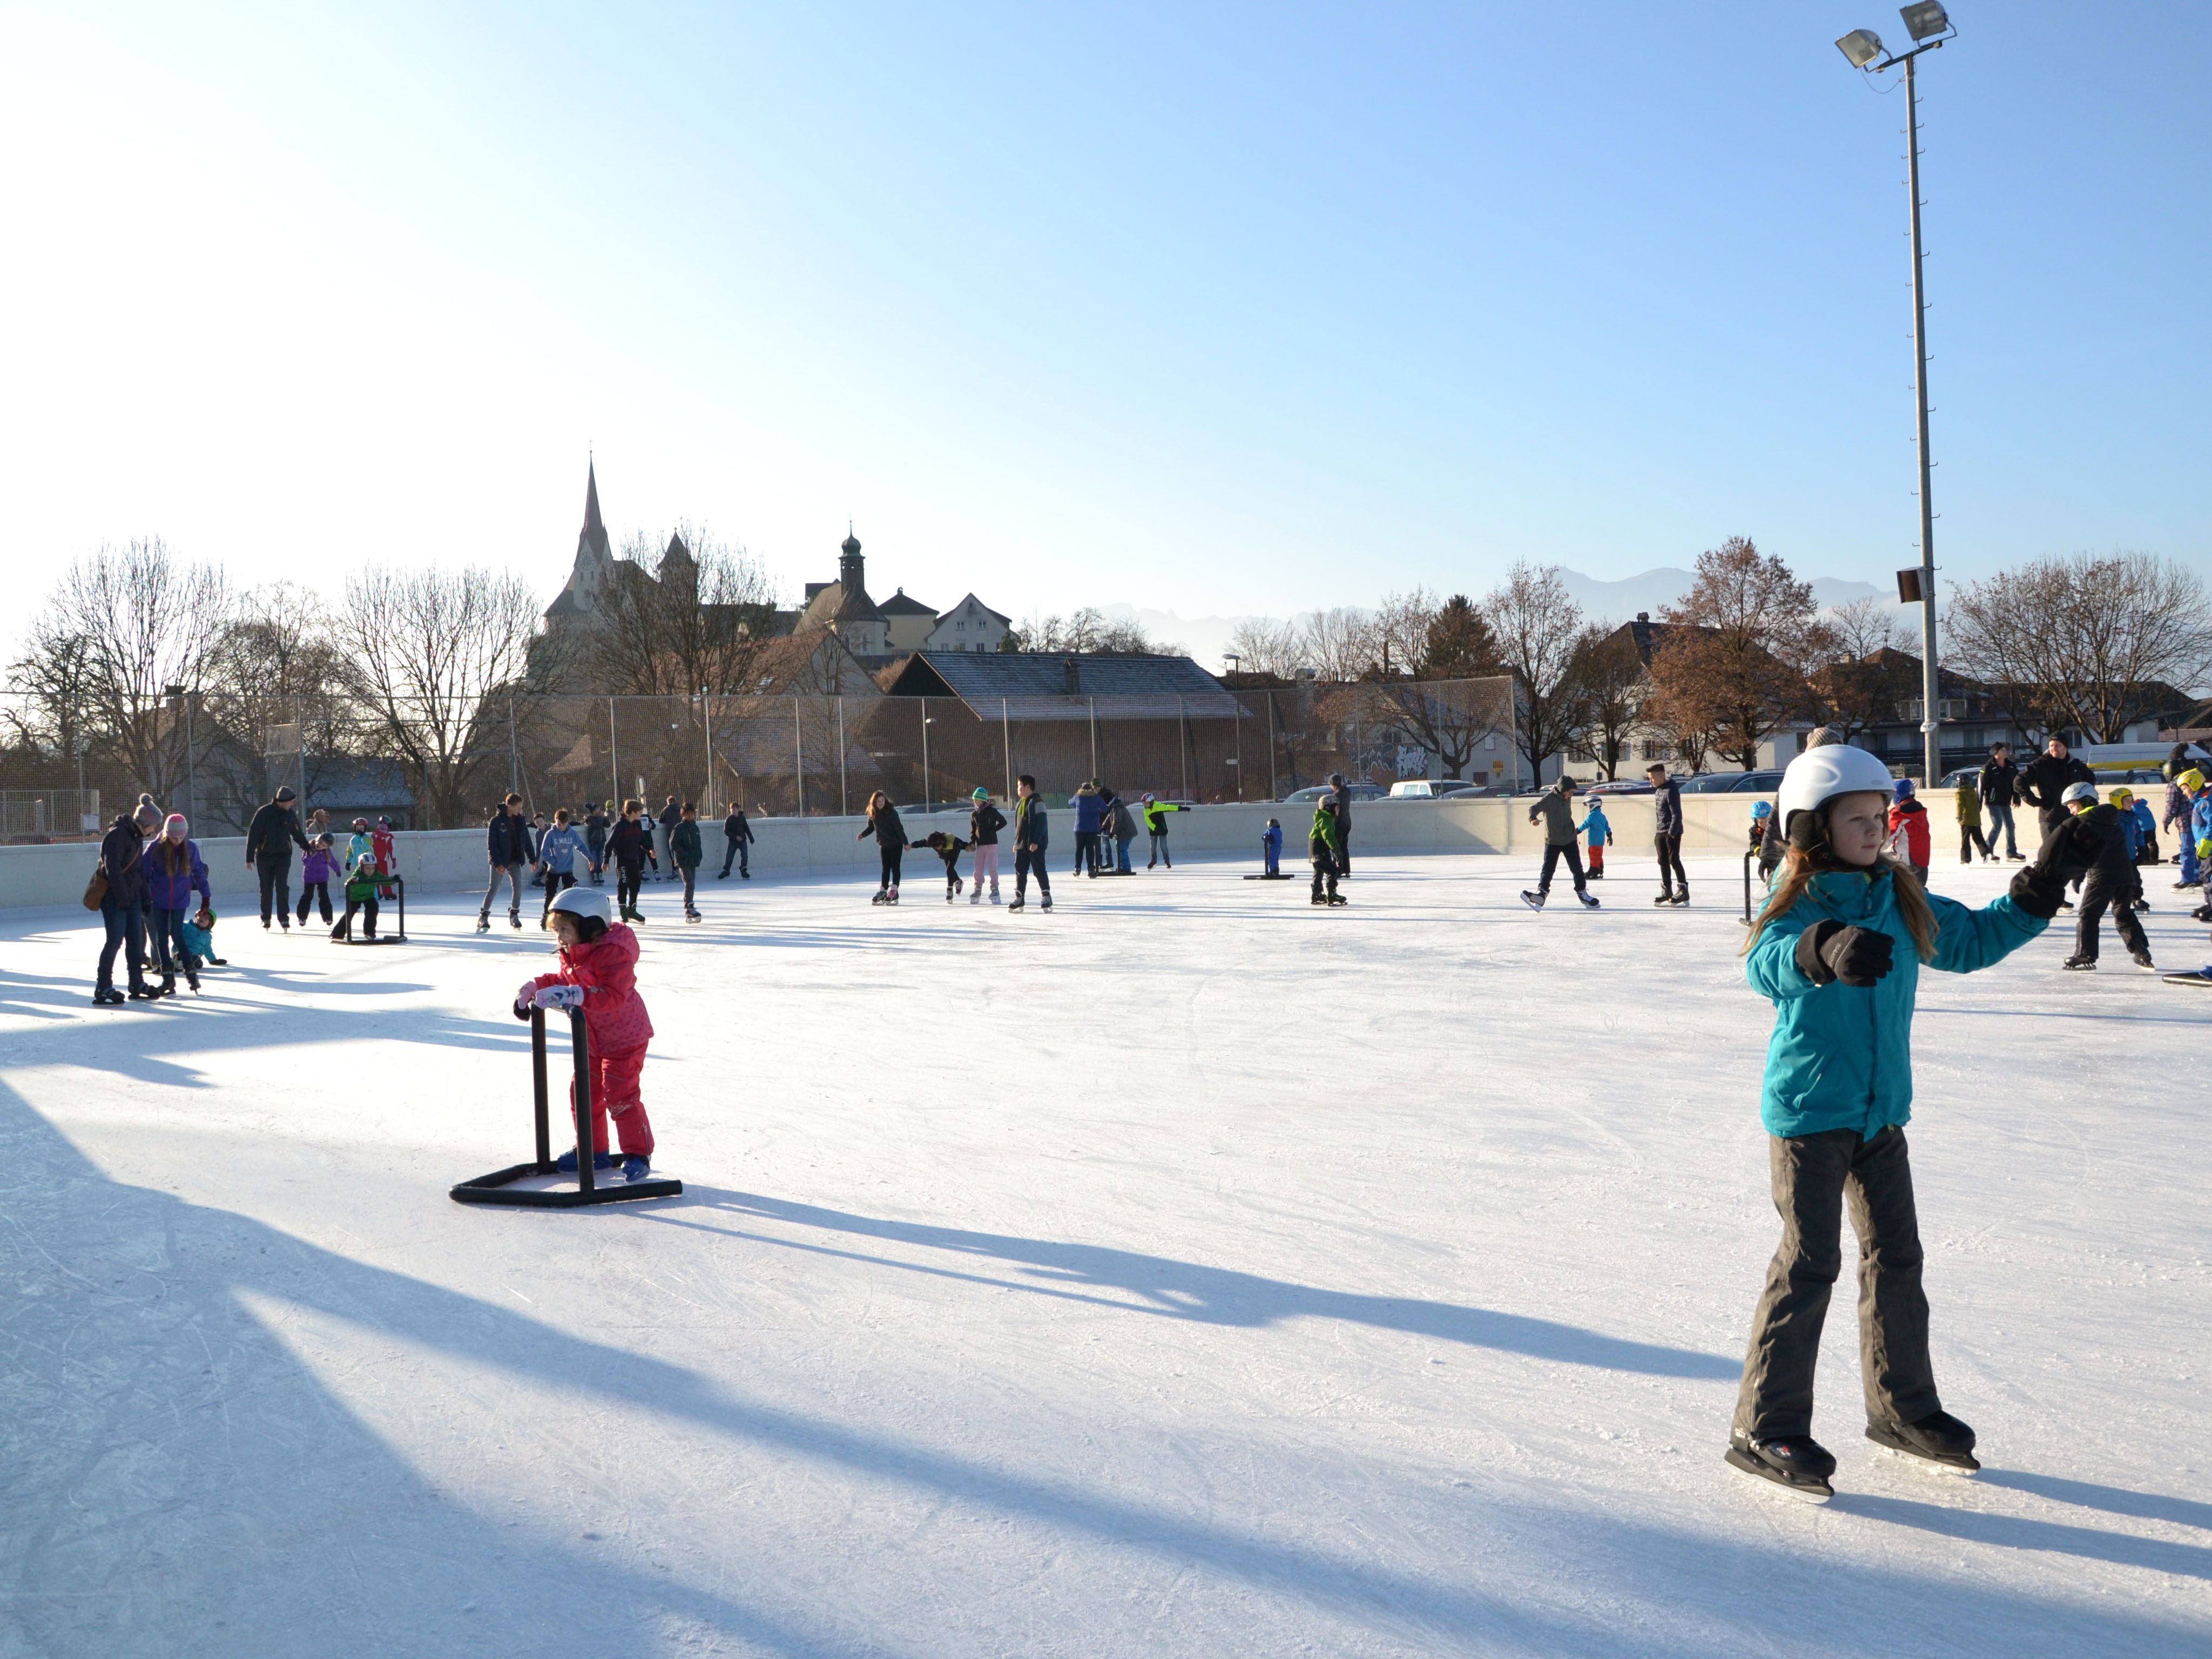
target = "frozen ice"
x: 1186, y: 1271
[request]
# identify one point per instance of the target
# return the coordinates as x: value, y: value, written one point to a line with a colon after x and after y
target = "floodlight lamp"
x: 1924, y: 18
x: 1862, y: 46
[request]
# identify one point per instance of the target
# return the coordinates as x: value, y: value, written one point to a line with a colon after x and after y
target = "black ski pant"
x: 365, y: 907
x: 557, y: 882
x: 734, y: 847
x: 1026, y: 860
x: 1552, y: 853
x: 1970, y: 837
x: 1086, y: 851
x: 310, y: 891
x: 1812, y: 1176
x: 1344, y: 853
x: 1325, y: 875
x: 629, y: 875
x: 275, y: 873
x: 2099, y: 893
x: 889, y: 855
x: 1668, y: 846
x: 166, y: 929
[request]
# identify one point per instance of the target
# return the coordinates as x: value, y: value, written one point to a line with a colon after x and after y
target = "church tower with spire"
x: 595, y: 561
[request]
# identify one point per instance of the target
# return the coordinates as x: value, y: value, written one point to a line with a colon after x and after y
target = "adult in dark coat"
x: 269, y: 841
x: 1340, y: 792
x: 737, y: 839
x: 506, y: 849
x: 2000, y: 787
x: 123, y: 908
x: 1666, y: 835
x: 2044, y: 780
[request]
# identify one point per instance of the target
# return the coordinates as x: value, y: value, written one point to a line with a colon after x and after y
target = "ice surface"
x: 1185, y: 1272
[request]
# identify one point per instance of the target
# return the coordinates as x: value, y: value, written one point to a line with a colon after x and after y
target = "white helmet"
x: 581, y: 902
x: 2079, y: 792
x: 1818, y: 775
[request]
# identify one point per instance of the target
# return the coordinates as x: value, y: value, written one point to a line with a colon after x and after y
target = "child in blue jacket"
x: 1270, y: 847
x: 1600, y: 830
x: 1838, y: 949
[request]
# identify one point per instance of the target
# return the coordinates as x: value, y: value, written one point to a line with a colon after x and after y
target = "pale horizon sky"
x: 1215, y: 310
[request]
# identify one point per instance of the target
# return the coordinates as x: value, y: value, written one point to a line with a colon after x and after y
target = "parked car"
x: 1432, y: 788
x: 1710, y: 783
x: 1621, y: 787
x: 1359, y: 791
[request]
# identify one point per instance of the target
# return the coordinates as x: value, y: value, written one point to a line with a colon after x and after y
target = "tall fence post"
x: 614, y: 756
x: 513, y: 755
x: 1182, y: 743
x: 1274, y: 788
x: 707, y: 719
x: 798, y: 755
x: 924, y: 701
x: 1094, y: 739
x: 1006, y: 736
x: 844, y: 800
x: 1240, y: 751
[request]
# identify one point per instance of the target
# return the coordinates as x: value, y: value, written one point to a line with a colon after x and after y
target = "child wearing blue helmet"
x: 1765, y: 838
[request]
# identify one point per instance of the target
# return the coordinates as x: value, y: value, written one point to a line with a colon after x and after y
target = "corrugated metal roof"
x: 1047, y: 685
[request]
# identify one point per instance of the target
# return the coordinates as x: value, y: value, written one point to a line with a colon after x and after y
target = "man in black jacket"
x: 269, y: 841
x: 2044, y: 783
x: 670, y: 816
x: 122, y: 909
x: 1666, y: 835
x: 737, y: 836
x: 507, y: 847
x: 2000, y: 787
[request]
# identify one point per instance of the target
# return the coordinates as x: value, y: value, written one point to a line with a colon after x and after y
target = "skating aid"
x: 399, y: 937
x: 498, y: 1187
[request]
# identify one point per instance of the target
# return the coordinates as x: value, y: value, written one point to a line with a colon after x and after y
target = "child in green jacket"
x: 1838, y: 948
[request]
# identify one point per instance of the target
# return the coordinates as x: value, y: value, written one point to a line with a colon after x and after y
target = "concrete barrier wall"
x: 453, y: 860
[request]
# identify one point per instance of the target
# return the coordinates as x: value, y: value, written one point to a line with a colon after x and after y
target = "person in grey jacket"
x: 1556, y: 807
x: 1340, y: 792
x: 1666, y: 835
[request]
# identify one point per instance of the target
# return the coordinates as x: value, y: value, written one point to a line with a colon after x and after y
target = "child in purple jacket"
x: 317, y: 872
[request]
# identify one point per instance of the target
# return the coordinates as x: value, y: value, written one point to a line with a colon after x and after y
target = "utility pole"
x: 1930, y: 706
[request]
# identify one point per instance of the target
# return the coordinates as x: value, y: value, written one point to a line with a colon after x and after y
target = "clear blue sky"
x: 1206, y: 308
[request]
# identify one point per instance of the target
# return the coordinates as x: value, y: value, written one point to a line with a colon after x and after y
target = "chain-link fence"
x: 43, y: 815
x: 814, y: 755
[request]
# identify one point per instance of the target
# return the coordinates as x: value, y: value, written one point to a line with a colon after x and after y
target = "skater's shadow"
x: 2024, y: 1533
x: 40, y: 997
x: 2113, y: 1500
x: 1130, y: 1282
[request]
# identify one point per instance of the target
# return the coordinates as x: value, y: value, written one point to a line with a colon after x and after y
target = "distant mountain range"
x: 1206, y: 637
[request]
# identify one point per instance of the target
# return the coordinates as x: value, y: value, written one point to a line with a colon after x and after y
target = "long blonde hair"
x: 1800, y: 866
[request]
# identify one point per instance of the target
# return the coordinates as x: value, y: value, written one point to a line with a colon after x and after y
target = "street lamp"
x: 1930, y: 27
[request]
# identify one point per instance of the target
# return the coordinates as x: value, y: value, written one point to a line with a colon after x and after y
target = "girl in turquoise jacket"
x: 1838, y: 949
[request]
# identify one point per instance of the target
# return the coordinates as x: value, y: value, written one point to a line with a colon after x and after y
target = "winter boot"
x: 1939, y: 1439
x: 1799, y: 1464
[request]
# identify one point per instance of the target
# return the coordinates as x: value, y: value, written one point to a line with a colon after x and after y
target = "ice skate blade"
x: 1805, y: 1491
x: 1933, y: 1465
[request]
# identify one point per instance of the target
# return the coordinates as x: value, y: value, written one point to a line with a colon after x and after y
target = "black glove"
x: 2065, y: 857
x: 1828, y: 951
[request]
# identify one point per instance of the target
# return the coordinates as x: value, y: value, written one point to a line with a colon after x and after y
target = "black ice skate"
x: 2143, y: 962
x: 1589, y: 900
x: 1533, y: 901
x: 1799, y: 1464
x: 1939, y: 1439
x: 2079, y: 964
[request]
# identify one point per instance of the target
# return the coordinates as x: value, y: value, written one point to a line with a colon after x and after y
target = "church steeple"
x: 593, y: 538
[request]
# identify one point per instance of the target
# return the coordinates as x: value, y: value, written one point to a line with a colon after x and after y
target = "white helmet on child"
x: 581, y: 902
x: 2079, y: 792
x: 1818, y: 775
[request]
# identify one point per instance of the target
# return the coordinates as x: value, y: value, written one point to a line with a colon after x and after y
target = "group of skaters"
x: 157, y: 906
x: 1565, y: 838
x: 1104, y: 827
x: 574, y: 848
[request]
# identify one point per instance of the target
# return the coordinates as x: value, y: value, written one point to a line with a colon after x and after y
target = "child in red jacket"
x: 598, y: 974
x: 1908, y: 829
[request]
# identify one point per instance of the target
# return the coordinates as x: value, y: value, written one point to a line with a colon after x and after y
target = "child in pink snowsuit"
x: 598, y: 965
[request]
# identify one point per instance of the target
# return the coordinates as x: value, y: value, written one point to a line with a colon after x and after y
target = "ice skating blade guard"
x: 499, y: 1188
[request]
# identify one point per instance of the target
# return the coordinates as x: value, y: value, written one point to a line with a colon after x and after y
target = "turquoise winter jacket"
x: 1841, y: 1057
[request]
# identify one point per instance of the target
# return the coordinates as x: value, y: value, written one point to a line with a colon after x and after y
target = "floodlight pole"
x: 1931, y: 733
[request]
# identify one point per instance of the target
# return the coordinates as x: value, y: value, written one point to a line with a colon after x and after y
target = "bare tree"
x: 275, y: 708
x: 1090, y: 629
x: 1451, y: 719
x: 142, y: 620
x: 1734, y: 660
x: 1264, y: 646
x: 429, y: 653
x: 1610, y: 674
x: 1539, y: 629
x: 1398, y: 634
x: 679, y: 616
x: 1868, y: 679
x: 1339, y: 644
x: 54, y: 678
x: 2093, y: 642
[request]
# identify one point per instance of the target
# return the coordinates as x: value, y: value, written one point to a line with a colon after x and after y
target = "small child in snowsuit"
x: 1600, y: 831
x: 1325, y: 845
x: 361, y: 884
x: 598, y: 974
x: 1766, y: 839
x: 317, y: 871
x: 1838, y: 949
x: 984, y: 823
x: 1271, y: 847
x: 385, y: 846
x: 1968, y: 798
x: 948, y: 847
x: 2113, y: 883
x: 199, y: 938
x: 1908, y: 829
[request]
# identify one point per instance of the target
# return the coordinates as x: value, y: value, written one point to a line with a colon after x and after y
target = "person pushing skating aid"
x: 1838, y: 948
x: 598, y: 974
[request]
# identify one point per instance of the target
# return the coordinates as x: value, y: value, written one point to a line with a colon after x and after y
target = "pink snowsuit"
x: 618, y: 1027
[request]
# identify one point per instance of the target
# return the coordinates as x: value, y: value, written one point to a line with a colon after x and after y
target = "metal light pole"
x: 1930, y: 27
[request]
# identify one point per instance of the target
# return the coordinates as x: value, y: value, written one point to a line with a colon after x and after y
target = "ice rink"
x: 1185, y: 1272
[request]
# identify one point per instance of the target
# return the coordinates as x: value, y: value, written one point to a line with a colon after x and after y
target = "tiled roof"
x: 899, y: 605
x: 1050, y: 685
